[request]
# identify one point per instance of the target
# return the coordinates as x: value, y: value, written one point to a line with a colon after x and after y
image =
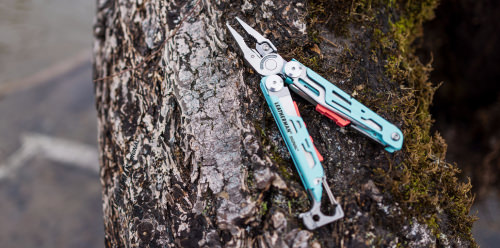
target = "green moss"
x: 428, y: 183
x: 424, y: 184
x: 263, y: 208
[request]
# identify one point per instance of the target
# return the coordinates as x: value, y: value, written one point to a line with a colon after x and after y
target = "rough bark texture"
x: 190, y: 154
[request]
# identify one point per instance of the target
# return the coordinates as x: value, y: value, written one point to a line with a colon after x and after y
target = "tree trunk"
x: 191, y: 156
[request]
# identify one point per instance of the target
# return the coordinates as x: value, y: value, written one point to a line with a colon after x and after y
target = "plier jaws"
x: 264, y: 45
x: 264, y: 58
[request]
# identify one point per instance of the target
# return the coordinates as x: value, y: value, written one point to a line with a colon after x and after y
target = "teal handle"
x: 362, y: 118
x: 297, y: 139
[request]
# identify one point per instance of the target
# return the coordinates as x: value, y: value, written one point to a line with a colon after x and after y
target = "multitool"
x: 329, y: 101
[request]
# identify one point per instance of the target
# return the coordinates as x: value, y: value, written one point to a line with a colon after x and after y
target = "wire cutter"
x: 328, y: 99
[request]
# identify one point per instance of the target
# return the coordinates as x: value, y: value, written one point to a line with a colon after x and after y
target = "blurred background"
x: 50, y: 194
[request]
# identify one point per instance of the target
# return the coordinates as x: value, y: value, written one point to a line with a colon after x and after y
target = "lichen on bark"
x: 190, y: 154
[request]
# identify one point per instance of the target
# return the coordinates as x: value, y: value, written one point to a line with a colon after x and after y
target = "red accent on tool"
x: 296, y: 108
x: 317, y: 153
x: 332, y: 115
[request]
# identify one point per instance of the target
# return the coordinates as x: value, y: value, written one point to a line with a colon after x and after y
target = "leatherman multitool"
x: 329, y: 101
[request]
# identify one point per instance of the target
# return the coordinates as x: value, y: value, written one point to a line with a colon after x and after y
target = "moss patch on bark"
x: 418, y: 177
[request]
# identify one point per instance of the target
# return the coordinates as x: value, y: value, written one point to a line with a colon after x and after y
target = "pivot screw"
x: 265, y: 47
x: 274, y: 83
x: 293, y: 69
x: 395, y: 136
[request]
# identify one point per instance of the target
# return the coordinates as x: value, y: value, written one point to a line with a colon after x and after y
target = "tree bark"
x: 191, y: 156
